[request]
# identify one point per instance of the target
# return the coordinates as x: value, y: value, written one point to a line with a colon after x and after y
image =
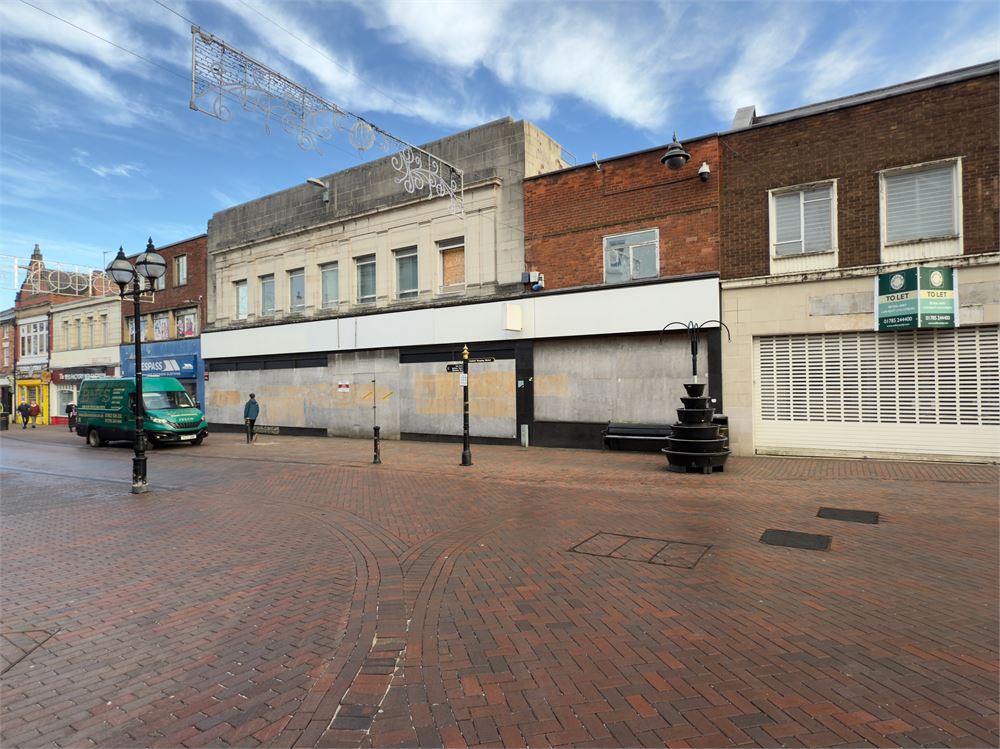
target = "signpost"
x: 912, y: 298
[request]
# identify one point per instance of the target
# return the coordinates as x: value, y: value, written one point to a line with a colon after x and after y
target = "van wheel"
x: 94, y: 438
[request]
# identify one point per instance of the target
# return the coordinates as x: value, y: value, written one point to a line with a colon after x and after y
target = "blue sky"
x: 99, y: 148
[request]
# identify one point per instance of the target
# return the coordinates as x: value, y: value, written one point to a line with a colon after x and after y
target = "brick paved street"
x: 293, y: 594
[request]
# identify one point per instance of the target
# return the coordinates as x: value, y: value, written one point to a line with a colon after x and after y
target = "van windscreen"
x: 170, y: 399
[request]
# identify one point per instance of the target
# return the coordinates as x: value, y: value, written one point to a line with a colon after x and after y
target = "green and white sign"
x: 913, y: 298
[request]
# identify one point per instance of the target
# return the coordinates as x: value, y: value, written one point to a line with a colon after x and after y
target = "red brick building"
x: 625, y: 233
x: 817, y: 204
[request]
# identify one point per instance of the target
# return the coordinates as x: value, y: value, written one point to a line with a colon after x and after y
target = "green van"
x: 106, y: 411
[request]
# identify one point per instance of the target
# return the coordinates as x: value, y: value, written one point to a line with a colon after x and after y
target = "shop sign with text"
x: 914, y: 298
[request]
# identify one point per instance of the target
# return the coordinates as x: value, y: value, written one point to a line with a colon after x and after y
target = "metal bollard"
x: 377, y: 460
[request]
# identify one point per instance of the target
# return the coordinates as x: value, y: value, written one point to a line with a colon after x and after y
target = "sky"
x: 99, y: 147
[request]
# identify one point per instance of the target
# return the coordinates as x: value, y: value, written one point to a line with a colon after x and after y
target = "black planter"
x: 695, y: 444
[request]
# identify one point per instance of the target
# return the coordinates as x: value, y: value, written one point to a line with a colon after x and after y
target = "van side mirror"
x: 131, y: 402
x: 197, y: 404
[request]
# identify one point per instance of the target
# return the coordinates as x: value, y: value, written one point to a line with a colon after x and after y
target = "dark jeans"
x: 250, y: 434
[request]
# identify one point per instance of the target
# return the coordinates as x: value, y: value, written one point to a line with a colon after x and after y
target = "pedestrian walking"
x: 34, y: 411
x: 250, y: 413
x: 24, y: 410
x: 71, y: 416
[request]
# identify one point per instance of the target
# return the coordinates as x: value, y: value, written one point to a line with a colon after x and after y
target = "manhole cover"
x: 642, y: 549
x: 852, y: 516
x: 796, y: 540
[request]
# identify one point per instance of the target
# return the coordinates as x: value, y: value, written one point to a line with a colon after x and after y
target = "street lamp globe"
x: 121, y: 270
x: 150, y: 264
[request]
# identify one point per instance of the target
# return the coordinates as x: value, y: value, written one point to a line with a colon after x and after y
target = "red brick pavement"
x: 293, y: 594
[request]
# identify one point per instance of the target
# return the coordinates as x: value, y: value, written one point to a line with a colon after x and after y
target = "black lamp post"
x: 466, y: 450
x: 148, y: 267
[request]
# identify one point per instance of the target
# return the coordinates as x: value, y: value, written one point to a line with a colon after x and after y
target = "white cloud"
x: 853, y: 56
x: 82, y: 158
x: 765, y: 52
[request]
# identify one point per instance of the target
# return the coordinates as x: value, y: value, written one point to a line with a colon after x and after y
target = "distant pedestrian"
x: 34, y: 411
x: 250, y: 413
x: 71, y: 416
x: 24, y: 410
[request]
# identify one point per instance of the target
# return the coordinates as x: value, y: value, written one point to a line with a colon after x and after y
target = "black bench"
x: 642, y: 437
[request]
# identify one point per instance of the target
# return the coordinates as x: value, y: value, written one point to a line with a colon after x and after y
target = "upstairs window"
x: 920, y: 204
x: 406, y: 273
x: 629, y: 257
x: 267, y: 295
x: 329, y: 276
x: 452, y: 253
x: 186, y: 321
x: 242, y: 300
x: 296, y: 289
x: 180, y: 270
x: 366, y: 279
x: 802, y: 220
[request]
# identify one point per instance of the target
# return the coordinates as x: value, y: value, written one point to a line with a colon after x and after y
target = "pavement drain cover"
x: 852, y: 516
x: 796, y: 540
x: 642, y: 549
x: 16, y: 646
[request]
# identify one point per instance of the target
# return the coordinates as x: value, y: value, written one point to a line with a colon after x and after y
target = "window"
x: 143, y: 328
x: 187, y: 323
x: 159, y: 284
x: 406, y: 273
x: 180, y: 270
x: 366, y: 278
x: 161, y: 326
x: 105, y: 331
x: 452, y: 262
x: 330, y: 284
x: 6, y: 355
x: 241, y: 299
x: 34, y: 338
x: 267, y: 295
x: 802, y: 220
x: 296, y: 289
x: 628, y: 257
x: 920, y: 203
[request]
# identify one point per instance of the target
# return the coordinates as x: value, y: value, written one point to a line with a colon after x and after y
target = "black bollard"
x: 377, y: 460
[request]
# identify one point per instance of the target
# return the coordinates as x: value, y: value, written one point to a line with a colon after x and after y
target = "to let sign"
x: 916, y: 298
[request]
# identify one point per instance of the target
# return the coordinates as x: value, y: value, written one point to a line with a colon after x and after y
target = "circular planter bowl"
x: 696, y: 402
x: 697, y: 446
x: 695, y: 389
x: 695, y: 431
x: 695, y: 415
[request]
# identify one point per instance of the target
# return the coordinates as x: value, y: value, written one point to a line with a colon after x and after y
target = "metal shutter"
x: 915, y: 393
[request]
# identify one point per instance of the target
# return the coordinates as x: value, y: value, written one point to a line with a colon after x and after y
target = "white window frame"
x: 630, y: 279
x: 242, y: 305
x: 300, y: 274
x: 773, y: 219
x: 405, y: 253
x: 262, y: 281
x: 360, y: 261
x: 922, y: 247
x: 326, y: 302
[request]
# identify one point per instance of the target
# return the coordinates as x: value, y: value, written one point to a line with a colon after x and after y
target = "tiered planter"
x: 695, y: 444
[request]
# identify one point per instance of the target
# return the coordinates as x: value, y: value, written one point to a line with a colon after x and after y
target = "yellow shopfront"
x: 36, y: 390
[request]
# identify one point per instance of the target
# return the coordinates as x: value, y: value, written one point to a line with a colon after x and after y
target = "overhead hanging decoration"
x: 220, y: 72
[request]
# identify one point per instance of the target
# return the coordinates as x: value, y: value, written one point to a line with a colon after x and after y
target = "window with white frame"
x: 406, y: 273
x: 242, y: 300
x: 34, y: 338
x: 920, y: 203
x: 452, y: 252
x: 629, y: 257
x: 366, y: 278
x: 159, y: 284
x: 329, y: 277
x: 803, y: 220
x: 267, y: 295
x: 161, y: 326
x: 297, y: 289
x: 180, y: 270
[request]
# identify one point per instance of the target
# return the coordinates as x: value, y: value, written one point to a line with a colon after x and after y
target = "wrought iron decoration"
x: 220, y: 72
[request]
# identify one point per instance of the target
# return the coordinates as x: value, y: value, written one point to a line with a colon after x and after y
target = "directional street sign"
x: 454, y: 367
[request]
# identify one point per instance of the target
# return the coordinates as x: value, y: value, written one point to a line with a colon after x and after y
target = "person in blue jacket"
x: 250, y: 413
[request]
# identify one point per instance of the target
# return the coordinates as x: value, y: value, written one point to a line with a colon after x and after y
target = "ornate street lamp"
x: 148, y: 267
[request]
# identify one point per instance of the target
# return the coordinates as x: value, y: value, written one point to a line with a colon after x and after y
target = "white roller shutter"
x: 921, y: 393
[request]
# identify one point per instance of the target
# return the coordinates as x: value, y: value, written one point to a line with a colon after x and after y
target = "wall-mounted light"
x: 322, y: 185
x: 676, y: 156
x: 703, y: 171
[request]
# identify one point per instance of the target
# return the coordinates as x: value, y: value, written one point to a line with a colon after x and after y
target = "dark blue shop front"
x: 180, y: 359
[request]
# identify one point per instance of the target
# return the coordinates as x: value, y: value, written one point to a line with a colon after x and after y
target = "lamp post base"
x: 139, y: 485
x: 466, y: 457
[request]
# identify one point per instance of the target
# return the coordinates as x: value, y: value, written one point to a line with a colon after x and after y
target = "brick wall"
x: 174, y: 297
x: 568, y: 213
x: 853, y: 145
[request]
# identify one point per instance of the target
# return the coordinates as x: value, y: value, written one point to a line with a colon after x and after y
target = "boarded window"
x: 452, y: 261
